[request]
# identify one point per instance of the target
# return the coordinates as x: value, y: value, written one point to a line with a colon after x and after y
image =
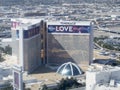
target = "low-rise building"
x: 100, y: 77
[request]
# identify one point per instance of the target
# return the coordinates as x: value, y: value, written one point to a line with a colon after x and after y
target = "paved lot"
x: 48, y: 76
x: 96, y: 55
x: 44, y: 74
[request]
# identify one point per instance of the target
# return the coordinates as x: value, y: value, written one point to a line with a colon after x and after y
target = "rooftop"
x: 25, y: 23
x: 102, y: 68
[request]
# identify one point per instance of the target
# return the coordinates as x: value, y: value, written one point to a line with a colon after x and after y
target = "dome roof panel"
x: 69, y: 69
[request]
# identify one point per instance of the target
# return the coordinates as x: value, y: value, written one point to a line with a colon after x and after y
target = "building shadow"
x: 62, y: 49
x: 42, y: 69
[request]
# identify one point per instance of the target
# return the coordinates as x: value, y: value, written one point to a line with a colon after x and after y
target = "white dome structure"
x: 69, y: 69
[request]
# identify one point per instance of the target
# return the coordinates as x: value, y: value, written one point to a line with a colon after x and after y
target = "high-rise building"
x: 26, y: 40
x: 37, y: 42
x: 69, y: 41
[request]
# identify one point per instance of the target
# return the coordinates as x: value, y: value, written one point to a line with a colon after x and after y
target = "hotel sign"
x: 17, y: 78
x: 68, y: 29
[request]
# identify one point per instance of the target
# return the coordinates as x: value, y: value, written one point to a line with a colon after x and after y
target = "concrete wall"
x: 32, y: 58
x: 32, y: 47
x: 102, y: 77
x: 65, y: 48
x: 31, y: 51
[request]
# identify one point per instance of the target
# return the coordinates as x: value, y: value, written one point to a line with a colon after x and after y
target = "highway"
x: 110, y: 31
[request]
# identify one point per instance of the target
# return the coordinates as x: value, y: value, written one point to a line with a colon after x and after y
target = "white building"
x: 100, y: 77
x: 26, y: 41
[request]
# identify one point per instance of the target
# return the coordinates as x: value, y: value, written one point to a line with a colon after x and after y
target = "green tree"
x: 100, y: 42
x: 96, y: 39
x: 61, y: 85
x: 27, y: 89
x: 8, y: 50
x: 44, y: 87
x: 108, y: 46
x: 67, y: 83
x: 1, y: 49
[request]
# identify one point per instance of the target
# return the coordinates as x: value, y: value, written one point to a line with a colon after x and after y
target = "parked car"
x: 111, y: 62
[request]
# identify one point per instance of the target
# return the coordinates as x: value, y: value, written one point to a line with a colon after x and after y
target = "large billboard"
x: 69, y: 41
x: 68, y: 29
